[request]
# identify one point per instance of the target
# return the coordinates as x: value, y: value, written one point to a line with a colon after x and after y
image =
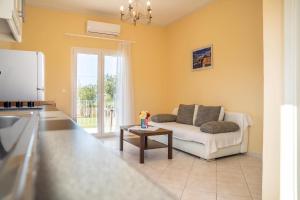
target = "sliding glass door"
x: 94, y: 90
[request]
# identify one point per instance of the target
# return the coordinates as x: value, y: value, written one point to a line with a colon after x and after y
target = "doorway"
x: 94, y: 90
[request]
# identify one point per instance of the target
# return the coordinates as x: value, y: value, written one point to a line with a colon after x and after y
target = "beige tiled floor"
x: 191, y: 178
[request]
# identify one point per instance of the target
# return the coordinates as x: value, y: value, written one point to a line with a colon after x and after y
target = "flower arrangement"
x: 144, y: 117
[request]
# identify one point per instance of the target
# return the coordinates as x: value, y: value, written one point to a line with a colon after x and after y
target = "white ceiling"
x: 164, y: 11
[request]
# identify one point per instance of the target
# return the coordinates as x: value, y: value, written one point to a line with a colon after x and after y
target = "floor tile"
x: 230, y: 164
x: 149, y: 171
x: 232, y: 197
x: 250, y: 161
x: 188, y: 177
x: 255, y: 189
x: 204, y: 184
x: 203, y: 168
x: 182, y: 161
x: 175, y: 191
x: 255, y: 197
x: 253, y: 175
x: 198, y: 195
x: 230, y: 177
x: 232, y: 188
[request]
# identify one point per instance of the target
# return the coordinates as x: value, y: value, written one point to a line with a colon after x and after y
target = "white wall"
x: 273, y: 87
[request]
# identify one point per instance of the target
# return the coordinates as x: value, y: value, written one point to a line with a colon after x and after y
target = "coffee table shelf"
x: 151, y: 144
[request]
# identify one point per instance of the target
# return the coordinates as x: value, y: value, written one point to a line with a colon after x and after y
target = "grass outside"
x: 87, y: 122
x: 90, y: 123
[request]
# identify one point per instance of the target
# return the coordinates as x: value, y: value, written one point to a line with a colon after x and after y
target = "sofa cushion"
x: 214, y: 127
x: 161, y: 118
x: 207, y: 114
x: 185, y: 114
x: 221, y: 116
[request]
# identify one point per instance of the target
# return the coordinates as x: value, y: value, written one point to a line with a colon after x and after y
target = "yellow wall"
x: 273, y: 96
x: 234, y: 27
x: 44, y: 31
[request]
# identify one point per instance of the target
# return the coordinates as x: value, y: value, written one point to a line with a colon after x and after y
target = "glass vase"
x: 143, y: 123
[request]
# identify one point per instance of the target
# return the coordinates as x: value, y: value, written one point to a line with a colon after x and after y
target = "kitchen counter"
x: 75, y: 165
x: 18, y: 133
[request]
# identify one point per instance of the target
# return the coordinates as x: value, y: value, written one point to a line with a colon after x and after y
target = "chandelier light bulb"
x: 148, y: 3
x: 122, y: 8
x: 130, y: 1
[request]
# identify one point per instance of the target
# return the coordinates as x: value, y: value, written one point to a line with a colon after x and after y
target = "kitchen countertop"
x: 18, y: 137
x: 75, y: 165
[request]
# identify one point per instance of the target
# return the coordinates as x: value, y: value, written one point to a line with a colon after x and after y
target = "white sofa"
x: 190, y: 139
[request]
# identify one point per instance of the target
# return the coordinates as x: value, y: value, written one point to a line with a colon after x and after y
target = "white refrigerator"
x: 21, y: 75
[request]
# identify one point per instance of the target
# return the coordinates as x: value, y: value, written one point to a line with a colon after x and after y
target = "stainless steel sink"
x: 7, y: 121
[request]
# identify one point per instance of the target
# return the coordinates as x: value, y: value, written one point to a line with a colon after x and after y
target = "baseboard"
x: 254, y: 154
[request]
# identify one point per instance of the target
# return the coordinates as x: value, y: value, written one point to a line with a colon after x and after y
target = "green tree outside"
x: 110, y: 89
x: 88, y: 97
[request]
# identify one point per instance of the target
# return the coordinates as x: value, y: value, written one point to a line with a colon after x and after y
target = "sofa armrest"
x: 242, y: 119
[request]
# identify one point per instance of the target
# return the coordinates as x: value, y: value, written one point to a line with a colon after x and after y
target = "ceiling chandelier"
x: 137, y: 12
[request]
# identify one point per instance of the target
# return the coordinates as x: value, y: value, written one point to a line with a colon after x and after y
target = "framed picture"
x: 202, y: 58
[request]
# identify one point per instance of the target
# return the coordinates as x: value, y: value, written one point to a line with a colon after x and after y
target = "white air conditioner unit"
x: 103, y: 28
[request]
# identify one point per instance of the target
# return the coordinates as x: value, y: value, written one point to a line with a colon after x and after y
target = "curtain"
x: 124, y: 96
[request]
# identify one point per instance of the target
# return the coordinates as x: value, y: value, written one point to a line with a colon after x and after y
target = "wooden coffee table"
x: 143, y: 142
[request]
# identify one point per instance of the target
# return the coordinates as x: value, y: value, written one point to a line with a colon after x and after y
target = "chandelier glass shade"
x: 137, y: 12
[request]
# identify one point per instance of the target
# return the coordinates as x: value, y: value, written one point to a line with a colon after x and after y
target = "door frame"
x: 106, y: 52
x: 100, y: 101
x: 92, y: 51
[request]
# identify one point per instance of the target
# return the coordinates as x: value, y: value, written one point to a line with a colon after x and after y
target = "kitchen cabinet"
x: 11, y: 20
